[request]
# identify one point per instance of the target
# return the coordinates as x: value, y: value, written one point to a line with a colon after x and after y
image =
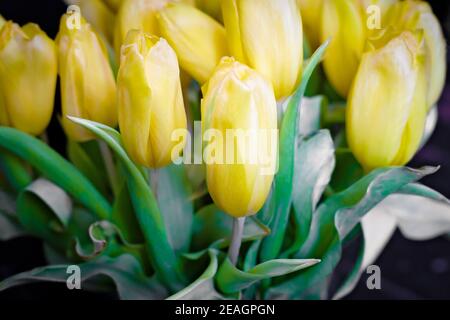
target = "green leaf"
x: 420, y: 212
x: 173, y: 195
x: 347, y: 171
x: 212, y: 227
x: 125, y: 271
x: 124, y: 217
x: 146, y: 208
x: 14, y: 170
x: 202, y: 288
x: 229, y: 279
x: 54, y: 197
x: 336, y: 217
x: 85, y: 162
x: 56, y: 169
x: 314, y: 165
x: 310, y: 114
x: 44, y: 210
x: 284, y: 179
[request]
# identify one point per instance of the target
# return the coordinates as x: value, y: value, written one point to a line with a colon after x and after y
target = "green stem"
x: 236, y: 239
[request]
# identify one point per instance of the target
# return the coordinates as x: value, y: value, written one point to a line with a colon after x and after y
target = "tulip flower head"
x: 198, y: 39
x: 387, y: 104
x: 239, y: 103
x: 88, y: 87
x: 417, y: 15
x: 267, y: 36
x: 149, y: 98
x: 28, y: 72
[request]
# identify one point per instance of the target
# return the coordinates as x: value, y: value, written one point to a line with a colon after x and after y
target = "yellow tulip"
x: 88, y: 87
x: 237, y: 100
x: 387, y: 104
x: 342, y: 21
x: 150, y: 100
x: 198, y: 40
x: 99, y: 15
x: 211, y: 7
x: 311, y: 11
x: 267, y: 35
x: 28, y: 71
x: 417, y: 15
x: 136, y: 14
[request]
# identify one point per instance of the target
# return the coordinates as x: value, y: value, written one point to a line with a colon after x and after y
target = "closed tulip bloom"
x: 150, y: 100
x: 343, y: 23
x: 28, y: 71
x: 198, y: 39
x: 88, y: 87
x: 137, y: 14
x: 267, y: 35
x: 387, y: 104
x: 417, y: 15
x: 239, y: 99
x: 311, y: 11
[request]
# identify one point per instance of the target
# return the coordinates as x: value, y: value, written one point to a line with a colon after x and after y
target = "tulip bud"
x: 417, y: 15
x: 311, y: 11
x: 99, y: 15
x: 239, y: 103
x: 198, y: 39
x: 88, y: 87
x: 387, y: 104
x: 139, y: 15
x: 342, y: 22
x: 150, y: 100
x: 28, y: 71
x: 274, y: 48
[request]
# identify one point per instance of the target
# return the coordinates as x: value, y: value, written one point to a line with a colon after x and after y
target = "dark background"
x: 410, y: 270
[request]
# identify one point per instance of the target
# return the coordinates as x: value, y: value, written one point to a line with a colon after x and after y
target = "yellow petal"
x: 211, y: 7
x: 417, y: 15
x: 342, y: 22
x: 386, y: 108
x: 238, y: 98
x: 88, y: 87
x: 270, y: 36
x: 311, y: 11
x: 198, y: 39
x: 28, y: 69
x: 136, y: 14
x: 150, y: 99
x: 100, y: 16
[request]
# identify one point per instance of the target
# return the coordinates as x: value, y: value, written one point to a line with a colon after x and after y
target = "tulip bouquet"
x: 210, y: 154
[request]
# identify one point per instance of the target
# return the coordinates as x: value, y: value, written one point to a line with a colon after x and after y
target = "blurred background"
x: 410, y: 270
